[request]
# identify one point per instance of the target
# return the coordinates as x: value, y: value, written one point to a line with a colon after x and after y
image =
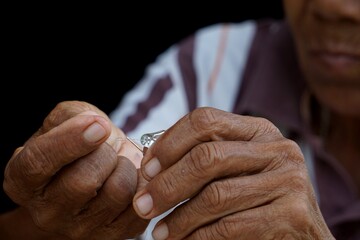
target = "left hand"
x: 241, y: 177
x: 69, y: 184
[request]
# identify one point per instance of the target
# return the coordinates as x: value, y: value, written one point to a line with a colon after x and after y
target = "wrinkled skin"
x: 327, y: 38
x: 76, y: 185
x: 241, y: 177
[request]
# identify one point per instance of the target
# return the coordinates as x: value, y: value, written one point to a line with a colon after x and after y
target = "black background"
x: 93, y: 53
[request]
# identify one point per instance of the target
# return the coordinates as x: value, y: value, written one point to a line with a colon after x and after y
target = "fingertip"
x: 143, y: 205
x: 152, y: 168
x: 150, y: 165
x: 98, y: 130
x: 94, y: 133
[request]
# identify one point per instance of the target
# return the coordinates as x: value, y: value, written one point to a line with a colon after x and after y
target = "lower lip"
x: 336, y: 62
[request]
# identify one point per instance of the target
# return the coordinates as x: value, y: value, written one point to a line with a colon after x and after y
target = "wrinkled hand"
x: 74, y: 175
x: 241, y: 177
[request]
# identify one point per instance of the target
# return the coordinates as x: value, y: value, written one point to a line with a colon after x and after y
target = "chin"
x: 340, y: 100
x: 336, y: 87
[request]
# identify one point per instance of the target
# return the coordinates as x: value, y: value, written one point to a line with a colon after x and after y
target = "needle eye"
x: 149, y: 138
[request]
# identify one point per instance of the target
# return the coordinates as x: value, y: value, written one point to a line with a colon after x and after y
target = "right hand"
x: 75, y: 176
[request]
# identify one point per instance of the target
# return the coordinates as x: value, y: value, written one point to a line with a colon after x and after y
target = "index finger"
x: 203, y: 125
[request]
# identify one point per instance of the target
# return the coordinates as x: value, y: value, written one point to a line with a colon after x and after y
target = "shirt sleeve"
x: 157, y: 101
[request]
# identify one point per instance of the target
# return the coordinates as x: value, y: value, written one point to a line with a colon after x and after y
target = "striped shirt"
x: 245, y: 68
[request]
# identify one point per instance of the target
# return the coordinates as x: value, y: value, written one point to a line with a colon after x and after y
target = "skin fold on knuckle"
x: 219, y: 230
x: 25, y: 172
x: 78, y: 232
x: 298, y: 181
x: 215, y: 198
x: 37, y: 163
x: 209, y: 205
x: 170, y: 188
x: 55, y: 117
x: 181, y: 221
x: 63, y: 111
x: 300, y: 216
x: 290, y: 162
x: 295, y: 153
x: 203, y: 160
x: 265, y: 130
x: 204, y: 121
x: 80, y: 190
x: 84, y: 180
x: 284, y: 154
x: 81, y: 180
x: 225, y: 229
x: 47, y: 217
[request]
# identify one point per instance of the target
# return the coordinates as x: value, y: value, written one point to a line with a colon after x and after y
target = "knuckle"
x: 218, y: 231
x: 225, y: 229
x: 204, y: 158
x: 265, y: 130
x: 292, y: 147
x: 33, y: 161
x: 76, y: 188
x: 215, y: 197
x: 289, y: 152
x: 14, y: 183
x: 85, y: 176
x: 299, y: 213
x: 265, y: 127
x: 298, y: 181
x: 297, y: 156
x: 77, y: 233
x: 80, y: 186
x: 55, y: 116
x: 45, y: 219
x: 64, y: 110
x: 203, y: 119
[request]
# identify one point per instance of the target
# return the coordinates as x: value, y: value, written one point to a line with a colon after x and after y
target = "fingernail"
x: 153, y: 167
x: 161, y: 232
x: 144, y: 204
x: 94, y: 133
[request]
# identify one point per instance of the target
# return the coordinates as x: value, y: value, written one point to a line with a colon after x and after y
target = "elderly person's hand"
x: 76, y: 176
x: 241, y: 177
